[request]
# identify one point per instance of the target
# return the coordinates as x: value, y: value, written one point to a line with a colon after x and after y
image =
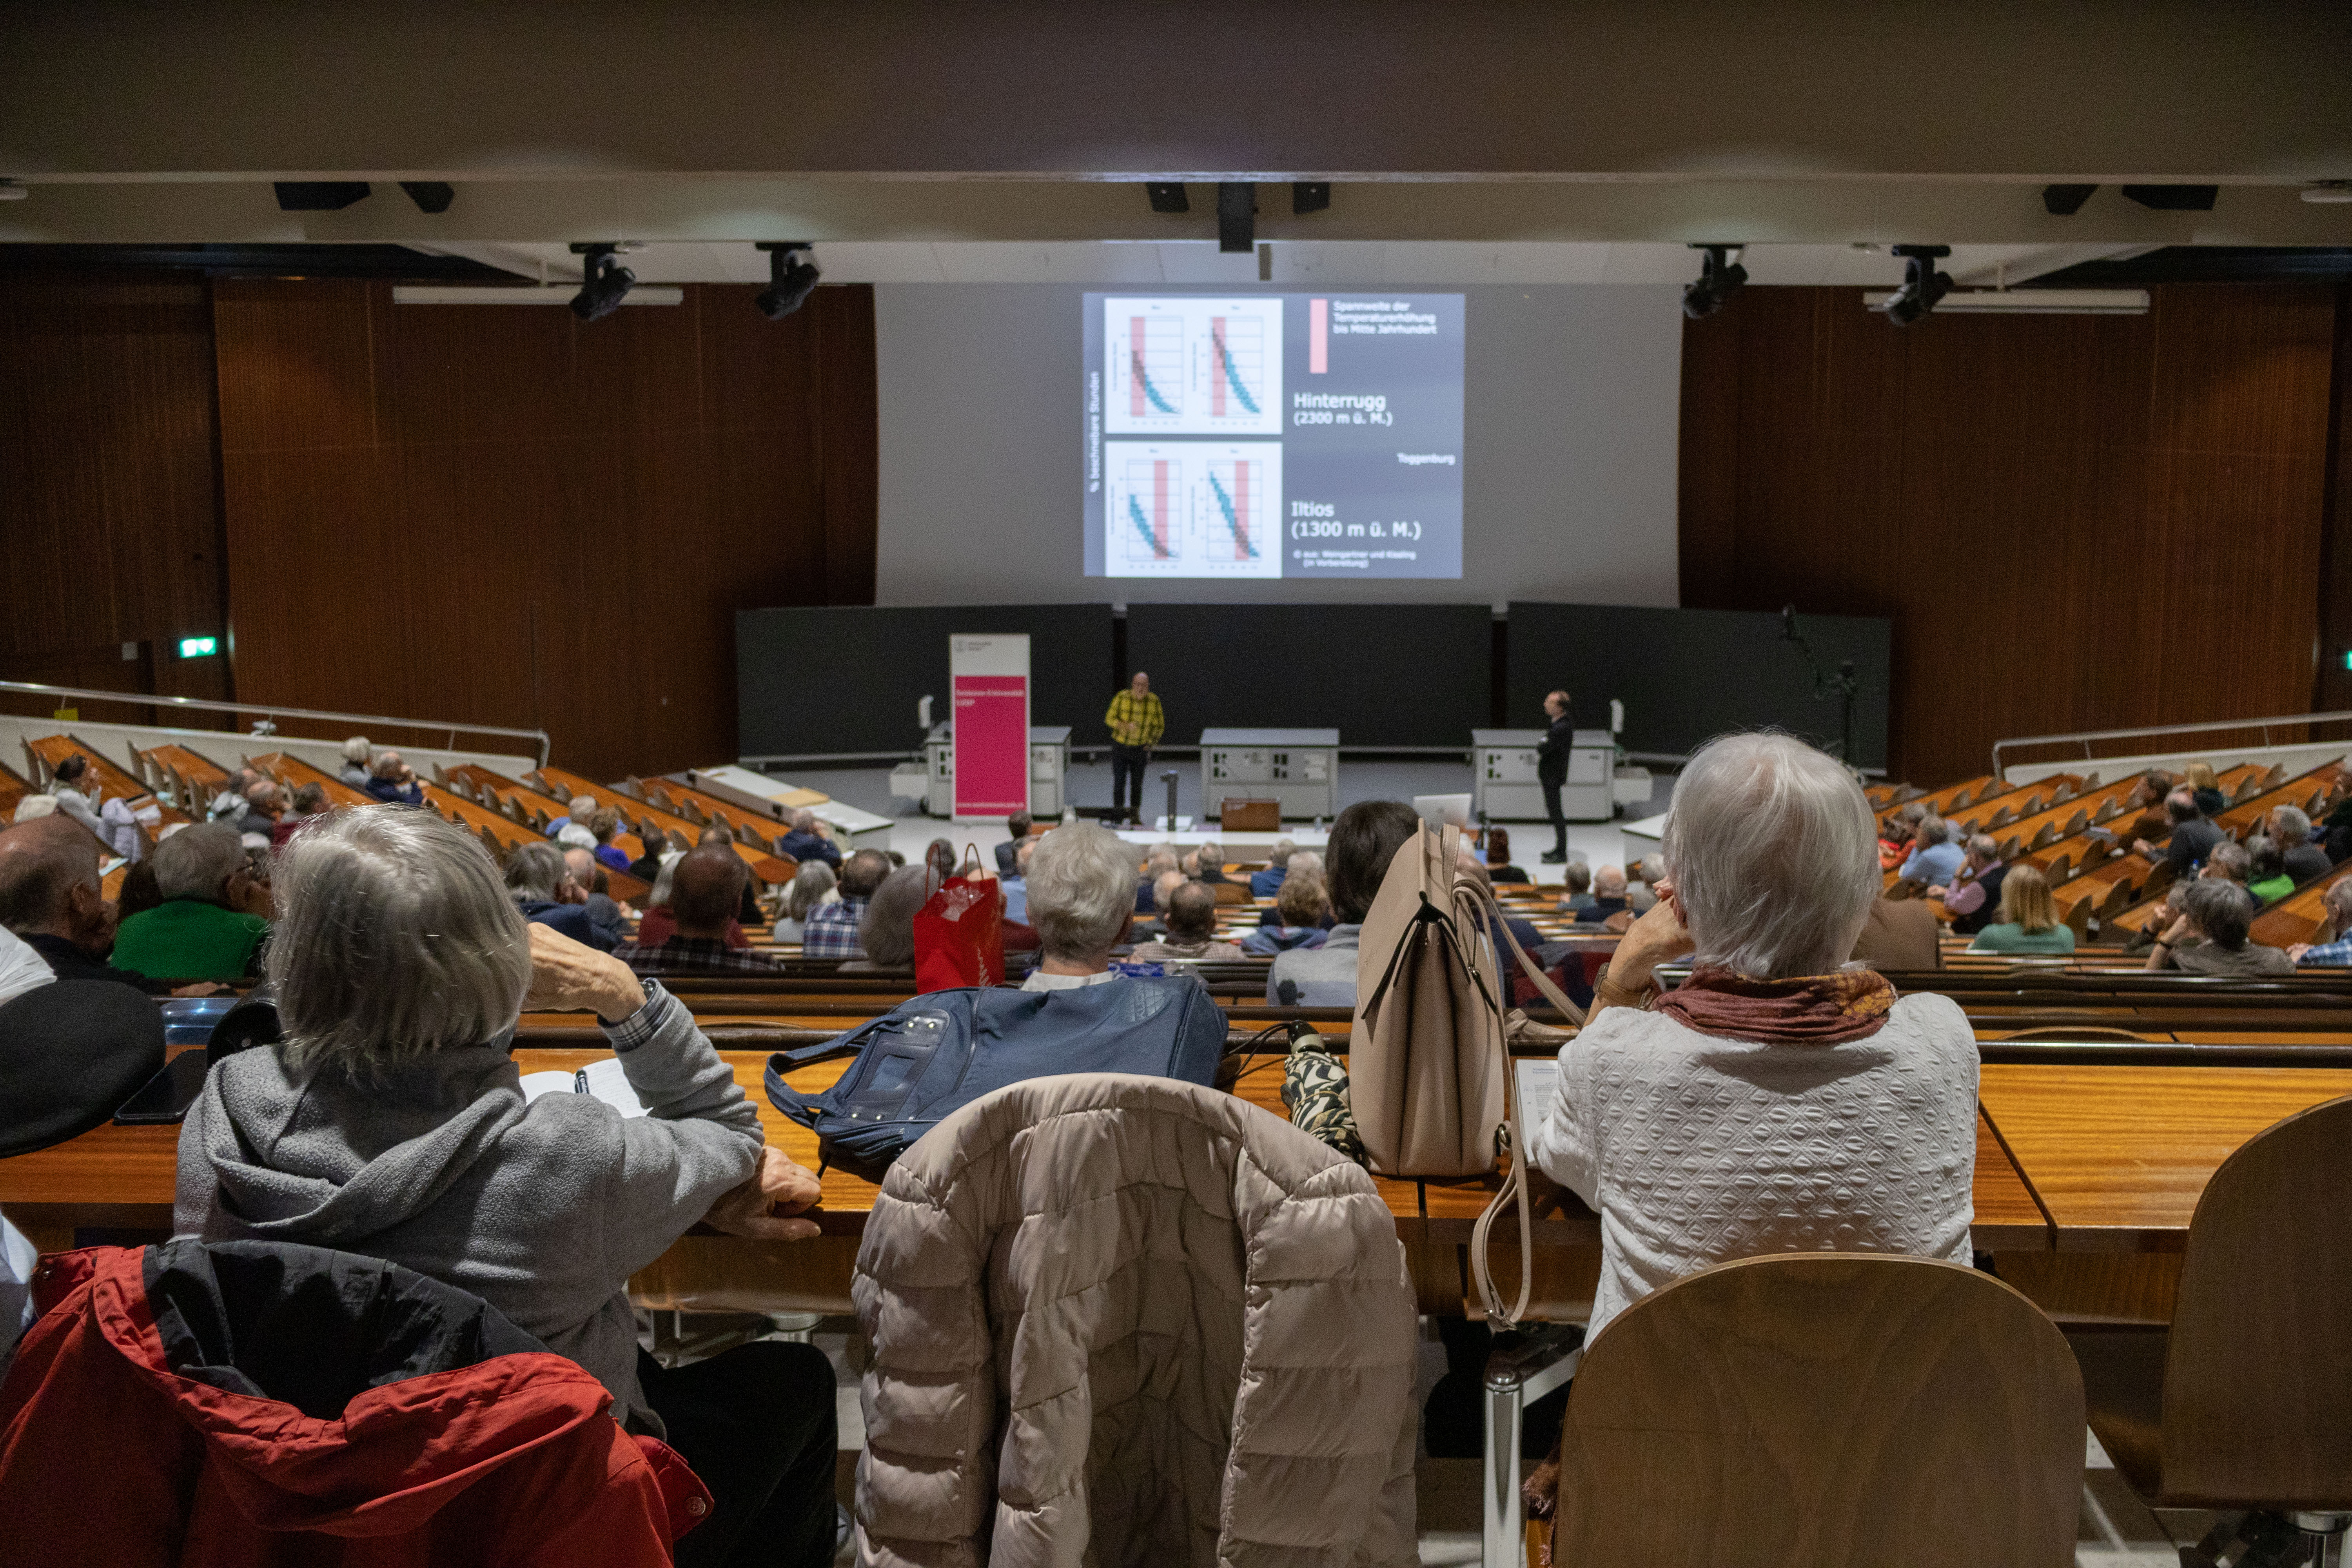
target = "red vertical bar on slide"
x: 1241, y: 511
x: 1319, y: 336
x: 1135, y: 362
x: 1159, y: 509
x: 1217, y: 351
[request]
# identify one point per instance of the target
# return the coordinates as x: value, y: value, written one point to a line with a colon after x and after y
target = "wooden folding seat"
x: 1829, y: 1409
x: 2245, y: 1402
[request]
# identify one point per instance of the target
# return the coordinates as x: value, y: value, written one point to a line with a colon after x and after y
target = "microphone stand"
x: 1845, y: 684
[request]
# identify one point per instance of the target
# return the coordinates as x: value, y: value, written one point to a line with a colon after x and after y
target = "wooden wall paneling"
x: 109, y: 520
x: 2074, y: 520
x: 2332, y: 689
x: 512, y: 517
x: 849, y: 406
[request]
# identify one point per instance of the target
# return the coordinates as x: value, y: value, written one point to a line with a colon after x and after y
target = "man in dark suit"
x: 1551, y: 770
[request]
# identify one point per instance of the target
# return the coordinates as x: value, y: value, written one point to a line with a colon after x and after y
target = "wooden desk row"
x: 2086, y: 1178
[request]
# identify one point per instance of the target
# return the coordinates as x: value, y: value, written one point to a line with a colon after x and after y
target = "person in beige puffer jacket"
x: 1125, y: 1319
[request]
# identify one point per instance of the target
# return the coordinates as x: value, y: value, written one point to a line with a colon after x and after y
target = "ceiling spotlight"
x: 2065, y: 201
x: 792, y: 278
x: 2326, y: 192
x: 1922, y: 284
x: 604, y: 283
x: 1719, y: 277
x: 430, y: 196
x: 1168, y: 195
x: 1309, y: 196
x: 13, y: 190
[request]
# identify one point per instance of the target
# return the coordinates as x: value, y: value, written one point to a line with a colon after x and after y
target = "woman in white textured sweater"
x: 1777, y: 1100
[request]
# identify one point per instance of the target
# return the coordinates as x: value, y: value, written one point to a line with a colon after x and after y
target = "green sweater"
x: 188, y: 938
x: 2012, y: 938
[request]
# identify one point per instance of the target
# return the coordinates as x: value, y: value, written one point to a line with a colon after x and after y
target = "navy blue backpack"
x: 930, y: 1057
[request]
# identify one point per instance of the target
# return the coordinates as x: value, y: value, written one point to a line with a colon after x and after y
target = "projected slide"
x: 1193, y: 509
x: 1274, y: 436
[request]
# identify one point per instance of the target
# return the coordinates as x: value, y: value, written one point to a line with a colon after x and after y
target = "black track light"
x: 1720, y: 276
x: 604, y: 283
x: 1922, y: 284
x: 1168, y: 195
x: 1236, y: 217
x: 792, y: 278
x: 430, y: 196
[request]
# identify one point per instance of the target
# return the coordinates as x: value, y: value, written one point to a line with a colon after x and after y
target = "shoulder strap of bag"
x: 1477, y: 903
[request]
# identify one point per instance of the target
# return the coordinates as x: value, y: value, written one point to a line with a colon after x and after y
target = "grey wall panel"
x: 815, y: 681
x: 1685, y: 675
x: 1383, y: 675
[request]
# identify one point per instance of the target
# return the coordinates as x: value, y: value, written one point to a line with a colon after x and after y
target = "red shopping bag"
x: 959, y: 931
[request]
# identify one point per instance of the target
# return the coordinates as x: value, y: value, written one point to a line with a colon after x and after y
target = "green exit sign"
x: 199, y: 648
x: 2347, y: 658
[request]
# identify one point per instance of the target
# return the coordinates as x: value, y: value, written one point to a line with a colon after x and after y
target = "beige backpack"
x: 1429, y: 1074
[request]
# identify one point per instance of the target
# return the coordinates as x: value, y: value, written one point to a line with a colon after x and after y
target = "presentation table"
x: 1299, y: 768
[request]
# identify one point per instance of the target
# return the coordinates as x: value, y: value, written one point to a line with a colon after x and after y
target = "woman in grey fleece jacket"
x: 392, y: 1123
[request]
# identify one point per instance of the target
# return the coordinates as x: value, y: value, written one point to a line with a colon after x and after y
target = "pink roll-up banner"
x: 990, y: 679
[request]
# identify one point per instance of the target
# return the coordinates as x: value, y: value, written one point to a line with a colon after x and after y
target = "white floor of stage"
x: 1601, y: 843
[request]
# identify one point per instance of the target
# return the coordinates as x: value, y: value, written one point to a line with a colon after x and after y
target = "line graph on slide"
x: 1236, y: 364
x: 1190, y: 364
x: 1154, y: 351
x: 1236, y: 504
x: 1149, y: 489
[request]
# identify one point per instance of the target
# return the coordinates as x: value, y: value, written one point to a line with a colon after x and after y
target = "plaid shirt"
x: 831, y: 930
x: 2336, y: 954
x: 1136, y: 721
x: 694, y: 956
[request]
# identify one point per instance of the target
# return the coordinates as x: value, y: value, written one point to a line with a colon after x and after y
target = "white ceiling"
x: 1301, y: 263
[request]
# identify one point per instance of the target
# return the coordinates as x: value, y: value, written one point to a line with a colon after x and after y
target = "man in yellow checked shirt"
x: 1136, y: 725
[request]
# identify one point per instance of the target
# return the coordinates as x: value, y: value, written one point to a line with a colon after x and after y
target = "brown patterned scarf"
x: 1811, y: 1009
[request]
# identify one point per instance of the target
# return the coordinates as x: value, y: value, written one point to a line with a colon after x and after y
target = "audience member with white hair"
x: 886, y: 931
x: 1266, y: 883
x: 811, y: 885
x: 605, y: 912
x: 2266, y: 879
x: 1728, y: 1118
x: 2290, y: 828
x: 1081, y: 899
x: 214, y: 913
x: 576, y: 812
x: 807, y: 841
x: 359, y: 761
x: 2332, y: 946
x: 2211, y: 933
x: 394, y: 782
x: 1161, y: 859
x: 544, y: 889
x: 391, y: 1122
x: 1933, y: 859
x: 1606, y: 897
